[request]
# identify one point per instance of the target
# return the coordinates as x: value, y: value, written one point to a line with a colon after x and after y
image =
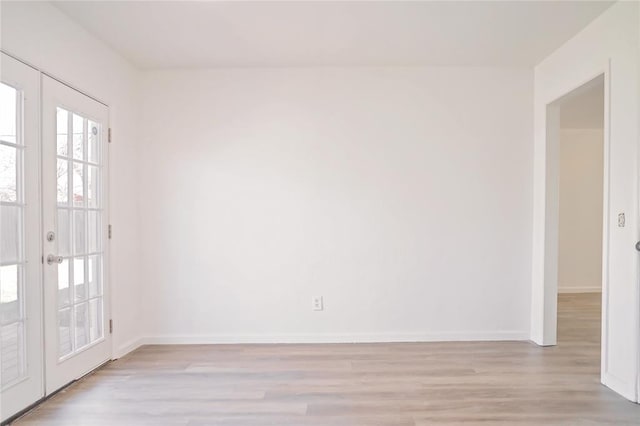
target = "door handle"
x: 638, y: 246
x: 51, y: 259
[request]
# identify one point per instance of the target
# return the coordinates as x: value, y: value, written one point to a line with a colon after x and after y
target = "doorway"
x: 54, y: 253
x: 577, y: 176
x: 580, y: 229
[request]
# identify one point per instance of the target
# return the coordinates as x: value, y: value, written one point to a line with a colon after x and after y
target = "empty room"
x: 351, y: 213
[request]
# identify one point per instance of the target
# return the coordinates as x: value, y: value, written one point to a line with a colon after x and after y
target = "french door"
x: 74, y: 237
x: 21, y: 350
x: 54, y: 300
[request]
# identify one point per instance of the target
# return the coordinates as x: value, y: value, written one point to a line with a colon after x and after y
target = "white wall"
x: 610, y: 43
x: 580, y: 232
x: 41, y: 35
x: 403, y: 196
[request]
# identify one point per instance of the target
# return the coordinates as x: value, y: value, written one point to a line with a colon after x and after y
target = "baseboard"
x: 335, y: 338
x: 621, y: 387
x: 130, y: 346
x: 570, y: 289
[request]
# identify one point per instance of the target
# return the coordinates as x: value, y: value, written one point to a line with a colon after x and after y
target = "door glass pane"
x: 13, y: 347
x: 92, y: 143
x: 64, y: 233
x: 82, y: 325
x: 64, y: 290
x: 78, y: 137
x: 95, y: 319
x: 79, y: 279
x: 80, y: 286
x: 95, y: 278
x: 9, y: 116
x: 10, y: 231
x: 80, y: 231
x: 65, y: 344
x: 63, y: 181
x: 93, y: 232
x: 92, y: 190
x: 62, y: 129
x: 8, y: 173
x: 9, y: 294
x: 78, y: 184
x: 12, y: 297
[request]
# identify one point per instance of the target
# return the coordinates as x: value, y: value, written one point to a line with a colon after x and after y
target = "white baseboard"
x: 335, y: 338
x: 626, y: 389
x: 130, y: 346
x: 572, y: 289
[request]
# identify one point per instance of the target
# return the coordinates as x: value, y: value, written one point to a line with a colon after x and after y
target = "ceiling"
x: 190, y: 34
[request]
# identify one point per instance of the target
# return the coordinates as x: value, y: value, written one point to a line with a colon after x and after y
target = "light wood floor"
x: 354, y: 384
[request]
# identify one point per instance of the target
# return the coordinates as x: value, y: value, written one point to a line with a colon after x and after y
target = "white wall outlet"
x: 317, y: 303
x: 621, y: 220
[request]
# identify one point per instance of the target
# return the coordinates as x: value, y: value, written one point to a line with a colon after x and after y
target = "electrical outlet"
x: 621, y: 220
x: 317, y: 303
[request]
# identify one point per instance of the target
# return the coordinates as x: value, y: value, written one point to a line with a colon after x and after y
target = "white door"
x: 74, y: 197
x: 21, y: 348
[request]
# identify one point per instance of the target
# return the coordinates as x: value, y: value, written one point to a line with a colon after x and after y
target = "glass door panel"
x: 74, y: 163
x: 12, y: 255
x: 80, y: 217
x: 21, y: 380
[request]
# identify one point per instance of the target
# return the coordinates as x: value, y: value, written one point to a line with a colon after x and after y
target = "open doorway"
x: 581, y: 159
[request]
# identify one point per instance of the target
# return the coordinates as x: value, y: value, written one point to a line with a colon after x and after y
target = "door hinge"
x: 109, y: 135
x: 109, y: 231
x: 110, y: 326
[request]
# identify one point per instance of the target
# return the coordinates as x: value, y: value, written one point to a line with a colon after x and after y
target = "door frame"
x: 545, y: 230
x: 545, y: 281
x: 552, y: 214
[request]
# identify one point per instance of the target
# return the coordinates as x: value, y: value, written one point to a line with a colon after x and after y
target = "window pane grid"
x: 95, y: 253
x: 12, y: 145
x: 21, y: 263
x: 88, y: 299
x: 80, y: 297
x: 68, y: 208
x: 12, y: 250
x: 61, y: 157
x: 77, y: 144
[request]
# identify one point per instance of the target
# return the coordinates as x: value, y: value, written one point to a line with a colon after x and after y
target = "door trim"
x: 544, y: 256
x: 58, y: 79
